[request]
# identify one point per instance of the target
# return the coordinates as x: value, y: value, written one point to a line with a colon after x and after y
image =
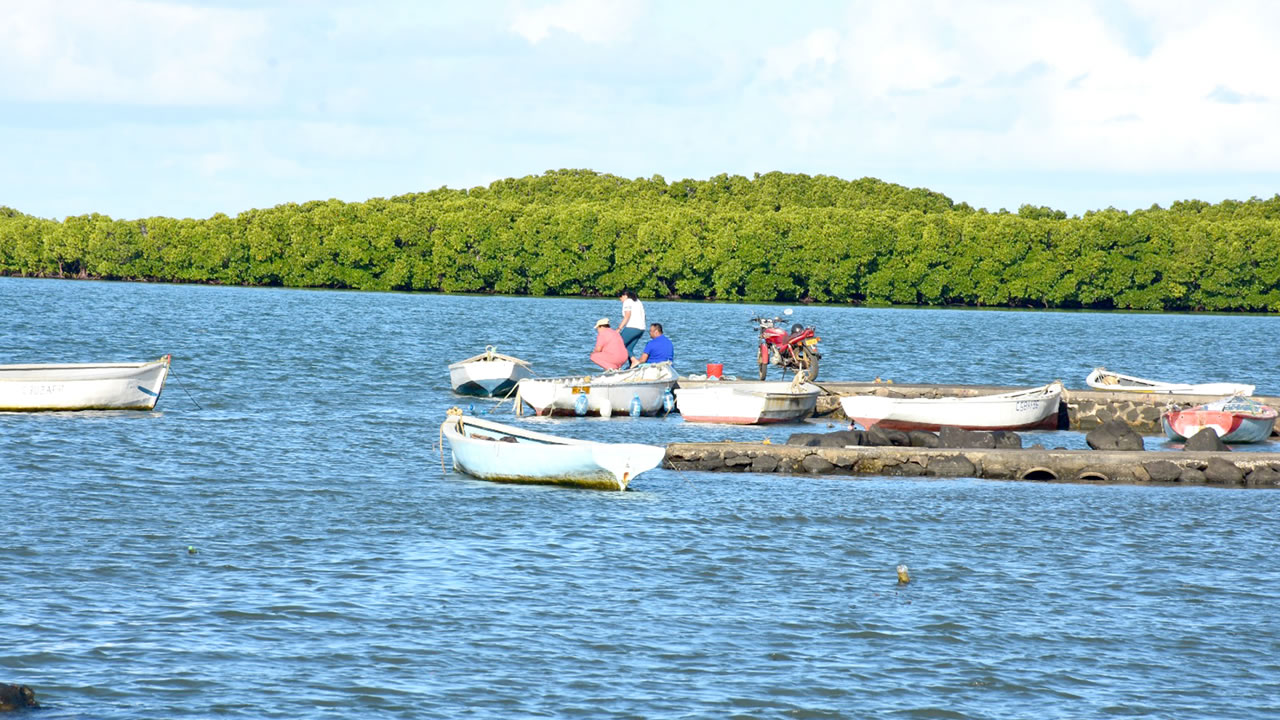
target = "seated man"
x: 658, y: 349
x: 609, y: 352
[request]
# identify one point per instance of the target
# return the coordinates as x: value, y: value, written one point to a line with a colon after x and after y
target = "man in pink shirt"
x: 610, y: 353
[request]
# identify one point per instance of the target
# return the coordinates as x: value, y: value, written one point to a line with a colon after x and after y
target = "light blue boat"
x: 502, y: 453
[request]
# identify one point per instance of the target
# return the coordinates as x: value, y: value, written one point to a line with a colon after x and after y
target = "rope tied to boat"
x: 454, y: 413
x: 182, y: 384
x: 797, y: 382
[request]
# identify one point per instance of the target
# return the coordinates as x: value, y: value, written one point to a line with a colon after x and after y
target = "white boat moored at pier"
x: 747, y: 403
x: 1019, y: 410
x: 1103, y: 379
x: 609, y: 393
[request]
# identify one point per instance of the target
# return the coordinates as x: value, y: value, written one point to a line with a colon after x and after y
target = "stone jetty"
x: 1226, y: 469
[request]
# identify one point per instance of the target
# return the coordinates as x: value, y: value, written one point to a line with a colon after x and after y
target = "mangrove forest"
x: 775, y: 237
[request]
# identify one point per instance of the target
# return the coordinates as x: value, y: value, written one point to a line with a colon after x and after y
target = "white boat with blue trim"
x: 489, y: 374
x: 609, y: 393
x: 503, y: 453
x: 82, y: 386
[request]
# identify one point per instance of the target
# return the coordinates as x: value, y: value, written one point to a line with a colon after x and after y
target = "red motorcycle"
x: 795, y: 349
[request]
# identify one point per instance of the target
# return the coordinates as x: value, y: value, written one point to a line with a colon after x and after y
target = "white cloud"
x: 131, y: 52
x: 599, y: 22
x: 1034, y: 86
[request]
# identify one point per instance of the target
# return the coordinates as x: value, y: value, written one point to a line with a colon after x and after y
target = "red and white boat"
x: 1033, y: 408
x: 1235, y: 419
x: 747, y: 403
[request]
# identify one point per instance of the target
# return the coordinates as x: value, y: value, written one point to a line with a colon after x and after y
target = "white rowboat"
x: 750, y: 403
x: 502, y: 453
x: 609, y: 393
x: 1019, y: 410
x: 1104, y: 379
x: 82, y: 386
x: 489, y: 374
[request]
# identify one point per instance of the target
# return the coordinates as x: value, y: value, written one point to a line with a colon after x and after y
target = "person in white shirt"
x: 633, y: 323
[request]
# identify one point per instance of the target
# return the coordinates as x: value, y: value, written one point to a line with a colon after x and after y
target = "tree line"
x: 776, y: 237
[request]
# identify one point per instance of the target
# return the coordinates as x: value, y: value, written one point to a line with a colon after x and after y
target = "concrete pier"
x: 1080, y: 409
x: 1224, y: 469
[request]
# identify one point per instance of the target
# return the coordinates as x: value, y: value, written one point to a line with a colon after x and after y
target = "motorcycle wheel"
x: 764, y: 370
x: 809, y: 361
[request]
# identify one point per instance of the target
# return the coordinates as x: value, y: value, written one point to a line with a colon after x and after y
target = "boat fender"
x: 606, y: 408
x: 635, y: 405
x: 668, y: 401
x: 580, y: 404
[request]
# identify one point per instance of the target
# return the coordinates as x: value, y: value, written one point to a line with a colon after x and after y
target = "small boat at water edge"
x: 503, y: 453
x: 82, y: 386
x: 1236, y: 419
x: 608, y: 393
x: 750, y: 403
x: 1103, y: 379
x: 489, y: 374
x: 1033, y: 408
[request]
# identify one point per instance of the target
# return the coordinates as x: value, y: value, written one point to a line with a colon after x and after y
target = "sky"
x: 140, y: 108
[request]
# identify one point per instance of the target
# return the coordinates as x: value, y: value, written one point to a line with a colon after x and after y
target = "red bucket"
x: 715, y: 370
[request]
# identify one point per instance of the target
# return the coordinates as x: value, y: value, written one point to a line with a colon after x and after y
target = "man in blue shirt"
x: 658, y: 349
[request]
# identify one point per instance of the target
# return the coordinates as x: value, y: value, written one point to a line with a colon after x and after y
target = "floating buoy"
x: 903, y: 577
x: 191, y: 550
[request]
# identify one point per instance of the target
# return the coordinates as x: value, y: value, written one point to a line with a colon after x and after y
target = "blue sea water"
x: 339, y: 568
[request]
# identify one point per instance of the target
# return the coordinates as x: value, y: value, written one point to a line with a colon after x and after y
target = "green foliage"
x: 776, y: 237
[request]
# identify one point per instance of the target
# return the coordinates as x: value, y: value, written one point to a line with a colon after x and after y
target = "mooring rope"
x: 184, y: 388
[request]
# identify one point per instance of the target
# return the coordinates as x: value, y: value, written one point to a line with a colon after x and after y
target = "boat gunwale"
x: 166, y: 361
x: 485, y: 358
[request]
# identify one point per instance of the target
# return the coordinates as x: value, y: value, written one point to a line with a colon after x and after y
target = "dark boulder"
x: 1114, y: 435
x: 17, y: 697
x: 815, y: 464
x: 1223, y: 472
x: 1264, y: 476
x: 950, y: 437
x: 804, y: 439
x: 884, y: 437
x: 952, y: 466
x: 923, y: 438
x: 953, y: 437
x: 1007, y: 440
x: 841, y: 438
x: 764, y: 464
x: 1191, y: 476
x: 1162, y: 471
x: 712, y: 461
x: 906, y: 469
x: 1206, y: 440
